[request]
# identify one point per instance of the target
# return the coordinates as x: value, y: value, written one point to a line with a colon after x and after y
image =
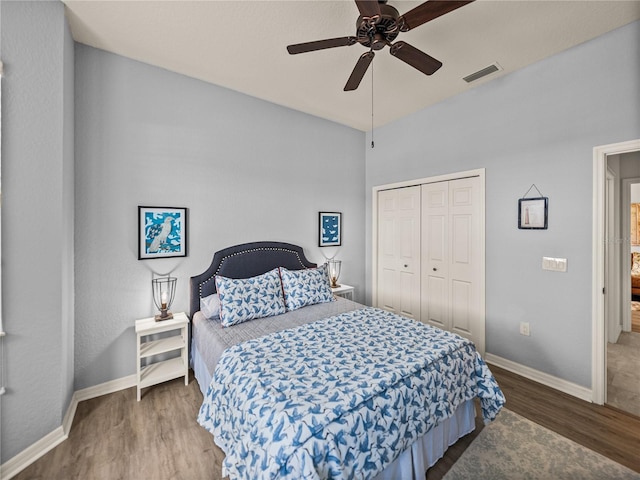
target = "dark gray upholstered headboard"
x: 244, y: 261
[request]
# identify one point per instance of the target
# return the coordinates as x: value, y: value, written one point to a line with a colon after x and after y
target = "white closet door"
x: 464, y: 265
x: 399, y: 251
x: 451, y: 252
x: 435, y: 255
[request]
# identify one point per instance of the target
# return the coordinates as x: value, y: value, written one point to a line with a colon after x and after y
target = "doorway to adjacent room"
x: 616, y: 353
x: 623, y: 343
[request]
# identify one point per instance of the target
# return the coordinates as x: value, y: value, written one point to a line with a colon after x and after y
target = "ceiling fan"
x: 377, y: 26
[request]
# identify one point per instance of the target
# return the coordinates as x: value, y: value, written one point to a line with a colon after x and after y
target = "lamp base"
x: 335, y: 285
x: 164, y: 315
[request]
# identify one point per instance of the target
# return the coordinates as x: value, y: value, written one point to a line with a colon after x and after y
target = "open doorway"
x: 622, y: 279
x: 609, y: 291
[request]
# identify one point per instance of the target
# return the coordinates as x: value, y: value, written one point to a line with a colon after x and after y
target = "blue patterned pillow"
x: 248, y: 298
x: 305, y: 287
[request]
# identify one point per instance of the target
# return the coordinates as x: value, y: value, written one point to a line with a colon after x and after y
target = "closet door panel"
x: 435, y: 253
x: 387, y: 280
x: 461, y: 308
x: 436, y: 237
x: 387, y: 274
x: 398, y: 287
x: 408, y: 239
x: 387, y: 238
x: 434, y: 311
x: 464, y: 266
x: 409, y: 301
x: 461, y: 247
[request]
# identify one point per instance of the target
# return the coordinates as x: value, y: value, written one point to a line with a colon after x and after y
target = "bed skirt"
x: 413, y: 462
x: 200, y: 370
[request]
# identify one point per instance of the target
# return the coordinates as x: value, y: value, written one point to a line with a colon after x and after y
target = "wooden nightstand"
x: 161, y: 371
x: 344, y: 290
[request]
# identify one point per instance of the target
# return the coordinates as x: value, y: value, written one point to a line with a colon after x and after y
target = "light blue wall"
x: 246, y: 169
x: 37, y: 221
x: 250, y: 170
x: 537, y: 125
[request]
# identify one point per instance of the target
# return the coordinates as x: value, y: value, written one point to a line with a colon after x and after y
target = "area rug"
x: 513, y: 447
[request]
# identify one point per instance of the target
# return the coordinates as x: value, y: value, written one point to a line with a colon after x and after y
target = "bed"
x: 333, y: 389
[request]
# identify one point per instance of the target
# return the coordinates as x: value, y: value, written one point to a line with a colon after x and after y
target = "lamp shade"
x: 164, y: 290
x: 334, y: 267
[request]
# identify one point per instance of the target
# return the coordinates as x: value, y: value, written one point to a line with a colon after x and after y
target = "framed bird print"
x: 330, y: 229
x: 162, y: 232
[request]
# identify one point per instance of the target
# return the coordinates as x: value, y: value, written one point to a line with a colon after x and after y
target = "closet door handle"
x: 406, y: 266
x: 435, y: 269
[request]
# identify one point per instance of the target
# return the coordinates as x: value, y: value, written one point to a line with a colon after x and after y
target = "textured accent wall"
x: 246, y: 169
x: 37, y: 220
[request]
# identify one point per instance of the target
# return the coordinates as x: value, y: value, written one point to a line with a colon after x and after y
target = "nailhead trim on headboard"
x: 212, y: 277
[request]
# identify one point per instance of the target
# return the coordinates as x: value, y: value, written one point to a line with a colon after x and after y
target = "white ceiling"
x: 241, y: 45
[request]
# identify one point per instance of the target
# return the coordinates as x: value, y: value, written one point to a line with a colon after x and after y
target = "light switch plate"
x: 554, y: 264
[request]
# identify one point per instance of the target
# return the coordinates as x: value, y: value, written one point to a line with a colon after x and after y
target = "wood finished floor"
x: 115, y: 437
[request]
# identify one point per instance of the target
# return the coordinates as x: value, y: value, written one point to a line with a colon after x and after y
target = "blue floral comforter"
x: 341, y: 397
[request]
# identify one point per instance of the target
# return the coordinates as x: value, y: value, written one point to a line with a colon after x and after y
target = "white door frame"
x: 599, y: 338
x: 613, y: 298
x: 480, y: 172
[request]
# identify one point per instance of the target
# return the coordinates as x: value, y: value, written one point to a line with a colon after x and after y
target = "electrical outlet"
x: 524, y: 329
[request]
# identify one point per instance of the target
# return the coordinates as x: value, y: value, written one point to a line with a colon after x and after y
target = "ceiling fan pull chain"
x: 372, y: 144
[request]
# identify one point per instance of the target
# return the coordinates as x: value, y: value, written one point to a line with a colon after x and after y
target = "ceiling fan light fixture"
x: 377, y: 26
x: 494, y: 67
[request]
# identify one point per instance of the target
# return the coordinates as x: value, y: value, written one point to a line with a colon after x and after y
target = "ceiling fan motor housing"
x: 376, y: 33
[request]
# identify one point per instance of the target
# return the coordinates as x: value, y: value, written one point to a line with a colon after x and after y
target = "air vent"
x: 494, y: 67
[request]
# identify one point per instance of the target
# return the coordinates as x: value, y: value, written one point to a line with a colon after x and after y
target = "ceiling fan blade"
x: 428, y: 11
x: 368, y: 8
x: 321, y: 45
x: 359, y: 70
x: 414, y: 57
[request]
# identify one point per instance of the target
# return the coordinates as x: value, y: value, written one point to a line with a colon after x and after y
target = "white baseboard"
x: 93, y: 392
x: 22, y: 460
x: 105, y: 388
x: 556, y: 383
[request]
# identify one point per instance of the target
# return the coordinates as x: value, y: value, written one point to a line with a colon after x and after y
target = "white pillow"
x: 305, y: 287
x: 210, y: 306
x: 248, y: 298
